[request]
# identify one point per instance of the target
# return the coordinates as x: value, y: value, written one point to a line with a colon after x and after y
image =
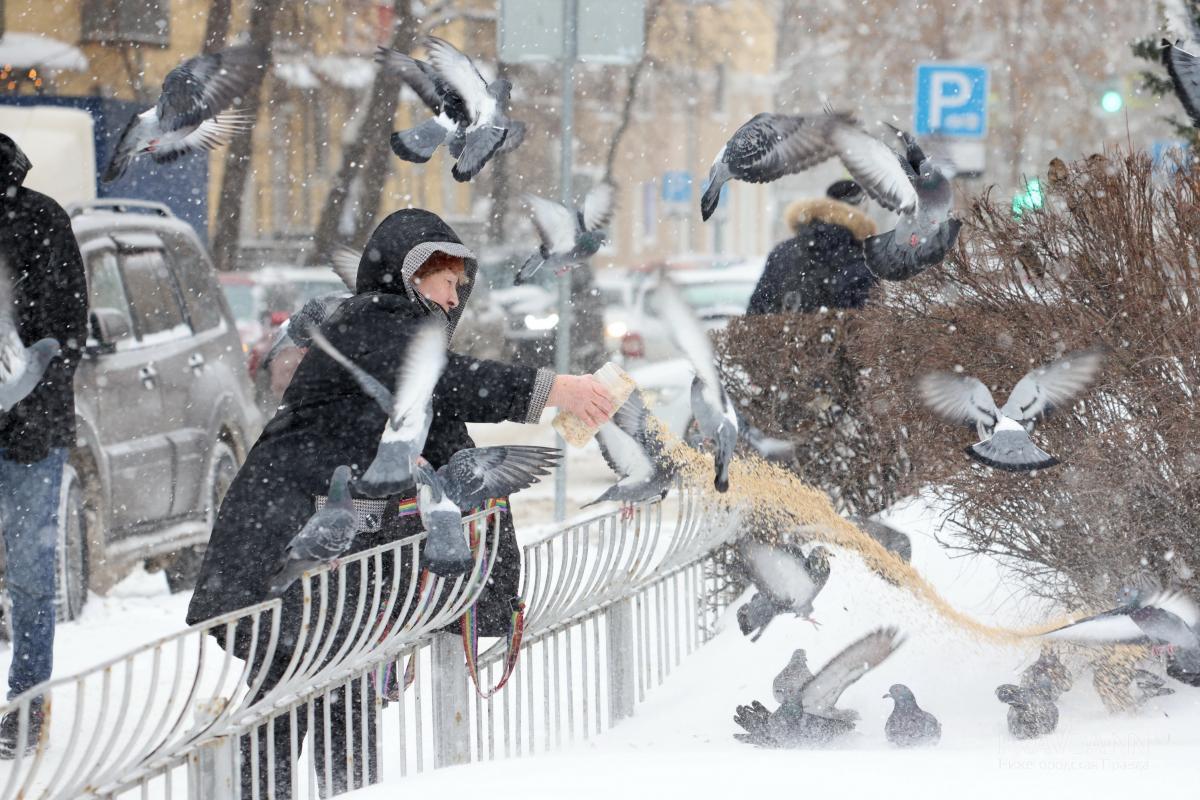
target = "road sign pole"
x: 562, y: 339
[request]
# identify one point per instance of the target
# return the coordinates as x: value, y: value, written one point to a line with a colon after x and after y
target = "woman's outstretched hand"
x: 583, y: 396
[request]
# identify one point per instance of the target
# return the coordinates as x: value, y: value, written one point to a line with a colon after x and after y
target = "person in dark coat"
x: 325, y: 419
x: 822, y: 265
x: 49, y: 295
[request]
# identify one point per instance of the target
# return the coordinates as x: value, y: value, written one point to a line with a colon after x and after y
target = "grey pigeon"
x: 633, y: 450
x: 1148, y: 686
x: 468, y: 480
x: 810, y: 717
x: 193, y: 111
x: 409, y: 410
x: 324, y: 537
x: 297, y: 330
x: 1047, y: 676
x: 786, y: 579
x: 712, y: 407
x: 924, y: 233
x: 792, y: 678
x: 450, y: 121
x: 483, y: 103
x: 894, y: 541
x: 909, y: 725
x: 568, y: 236
x: 1004, y: 432
x: 1167, y: 621
x: 21, y: 367
x: 1184, y: 69
x: 769, y: 448
x: 767, y: 148
x: 1030, y: 715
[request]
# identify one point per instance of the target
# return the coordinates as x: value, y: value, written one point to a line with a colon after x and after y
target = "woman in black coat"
x: 325, y: 420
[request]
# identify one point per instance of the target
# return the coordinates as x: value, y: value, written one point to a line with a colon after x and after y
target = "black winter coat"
x: 39, y: 250
x: 325, y: 420
x: 822, y: 265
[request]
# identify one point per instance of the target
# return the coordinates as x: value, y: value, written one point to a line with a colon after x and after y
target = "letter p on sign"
x: 951, y: 100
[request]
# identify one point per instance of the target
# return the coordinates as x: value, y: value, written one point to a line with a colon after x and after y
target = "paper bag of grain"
x: 619, y: 386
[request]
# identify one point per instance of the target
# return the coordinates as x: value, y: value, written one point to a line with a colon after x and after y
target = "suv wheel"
x: 184, y: 568
x: 72, y: 563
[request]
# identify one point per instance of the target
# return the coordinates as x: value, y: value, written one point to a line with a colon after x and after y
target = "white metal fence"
x: 360, y: 684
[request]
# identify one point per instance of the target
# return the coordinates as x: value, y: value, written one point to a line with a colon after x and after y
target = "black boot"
x: 10, y: 729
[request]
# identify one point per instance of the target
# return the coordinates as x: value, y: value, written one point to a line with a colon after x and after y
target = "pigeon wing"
x: 913, y: 154
x: 875, y: 167
x: 207, y: 84
x: 770, y: 146
x: 692, y: 339
x: 424, y: 361
x: 1109, y: 626
x: 780, y: 574
x: 598, y: 207
x: 325, y: 536
x: 460, y: 74
x: 13, y: 356
x: 821, y: 694
x: 556, y: 224
x: 208, y: 135
x: 622, y: 453
x: 475, y: 475
x: 345, y: 261
x: 1184, y: 69
x: 1037, y: 394
x: 959, y: 399
x: 373, y: 388
x: 419, y: 76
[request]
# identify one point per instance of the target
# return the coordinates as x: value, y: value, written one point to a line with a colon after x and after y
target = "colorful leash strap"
x: 470, y: 635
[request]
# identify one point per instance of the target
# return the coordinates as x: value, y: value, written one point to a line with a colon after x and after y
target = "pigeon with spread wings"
x: 568, y: 236
x: 632, y: 449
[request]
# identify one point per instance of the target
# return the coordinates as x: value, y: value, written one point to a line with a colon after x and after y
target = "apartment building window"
x: 124, y: 22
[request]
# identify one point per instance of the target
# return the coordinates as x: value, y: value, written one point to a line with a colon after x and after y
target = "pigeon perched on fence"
x: 1184, y: 69
x: 809, y: 717
x: 325, y: 536
x: 712, y: 407
x: 1004, y: 432
x: 194, y: 111
x: 632, y: 449
x: 568, y: 236
x: 1168, y: 621
x: 466, y: 482
x: 767, y: 148
x: 471, y: 116
x: 21, y: 367
x: 786, y: 579
x: 1030, y: 714
x: 409, y: 410
x: 909, y: 725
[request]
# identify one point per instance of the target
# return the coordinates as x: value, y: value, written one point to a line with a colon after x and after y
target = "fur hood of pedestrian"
x: 806, y: 211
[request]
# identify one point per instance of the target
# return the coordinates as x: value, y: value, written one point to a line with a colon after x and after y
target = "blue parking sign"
x: 951, y: 100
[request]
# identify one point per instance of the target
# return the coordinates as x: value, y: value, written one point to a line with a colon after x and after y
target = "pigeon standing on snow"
x: 711, y: 405
x: 21, y: 367
x: 787, y: 581
x: 323, y: 538
x: 809, y: 717
x: 765, y: 149
x: 1030, y: 714
x: 633, y: 451
x: 468, y: 480
x: 1184, y: 69
x: 1047, y: 676
x: 193, y: 112
x: 569, y: 236
x: 1004, y: 432
x: 792, y: 678
x: 409, y: 410
x: 909, y: 725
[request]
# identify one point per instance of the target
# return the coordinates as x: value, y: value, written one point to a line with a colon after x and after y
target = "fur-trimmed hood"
x: 832, y: 212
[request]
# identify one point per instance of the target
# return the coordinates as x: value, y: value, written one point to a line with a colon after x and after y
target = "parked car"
x: 634, y: 330
x: 164, y: 407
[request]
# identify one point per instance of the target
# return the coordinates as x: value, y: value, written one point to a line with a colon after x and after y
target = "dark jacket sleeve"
x: 478, y: 390
x: 769, y: 290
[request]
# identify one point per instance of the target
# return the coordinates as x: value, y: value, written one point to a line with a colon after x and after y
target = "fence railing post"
x: 451, y: 699
x: 214, y: 767
x: 618, y: 620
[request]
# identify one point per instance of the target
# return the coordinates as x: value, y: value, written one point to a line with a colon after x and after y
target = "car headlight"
x: 616, y: 329
x: 536, y: 323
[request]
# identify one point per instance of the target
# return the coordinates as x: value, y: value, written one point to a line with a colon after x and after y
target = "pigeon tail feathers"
x: 1012, y: 451
x: 418, y: 144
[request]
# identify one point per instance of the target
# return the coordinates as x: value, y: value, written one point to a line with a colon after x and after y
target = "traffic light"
x: 1029, y: 198
x: 1112, y: 101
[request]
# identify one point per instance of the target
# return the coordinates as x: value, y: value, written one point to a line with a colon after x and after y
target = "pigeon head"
x: 591, y: 241
x: 900, y: 693
x: 42, y: 352
x: 799, y: 659
x: 339, y: 486
x: 139, y: 136
x: 1010, y: 694
x: 501, y: 89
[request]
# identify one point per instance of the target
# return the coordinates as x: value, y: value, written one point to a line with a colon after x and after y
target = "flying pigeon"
x: 714, y: 411
x: 323, y: 538
x: 909, y: 725
x: 21, y: 367
x: 296, y: 329
x: 465, y: 483
x: 451, y: 85
x: 1047, y: 676
x: 409, y: 410
x: 786, y: 580
x: 633, y: 450
x: 809, y: 717
x: 1166, y: 620
x: 925, y: 230
x: 193, y: 111
x: 569, y: 236
x: 1184, y: 69
x: 765, y: 149
x: 1004, y: 432
x: 1030, y: 715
